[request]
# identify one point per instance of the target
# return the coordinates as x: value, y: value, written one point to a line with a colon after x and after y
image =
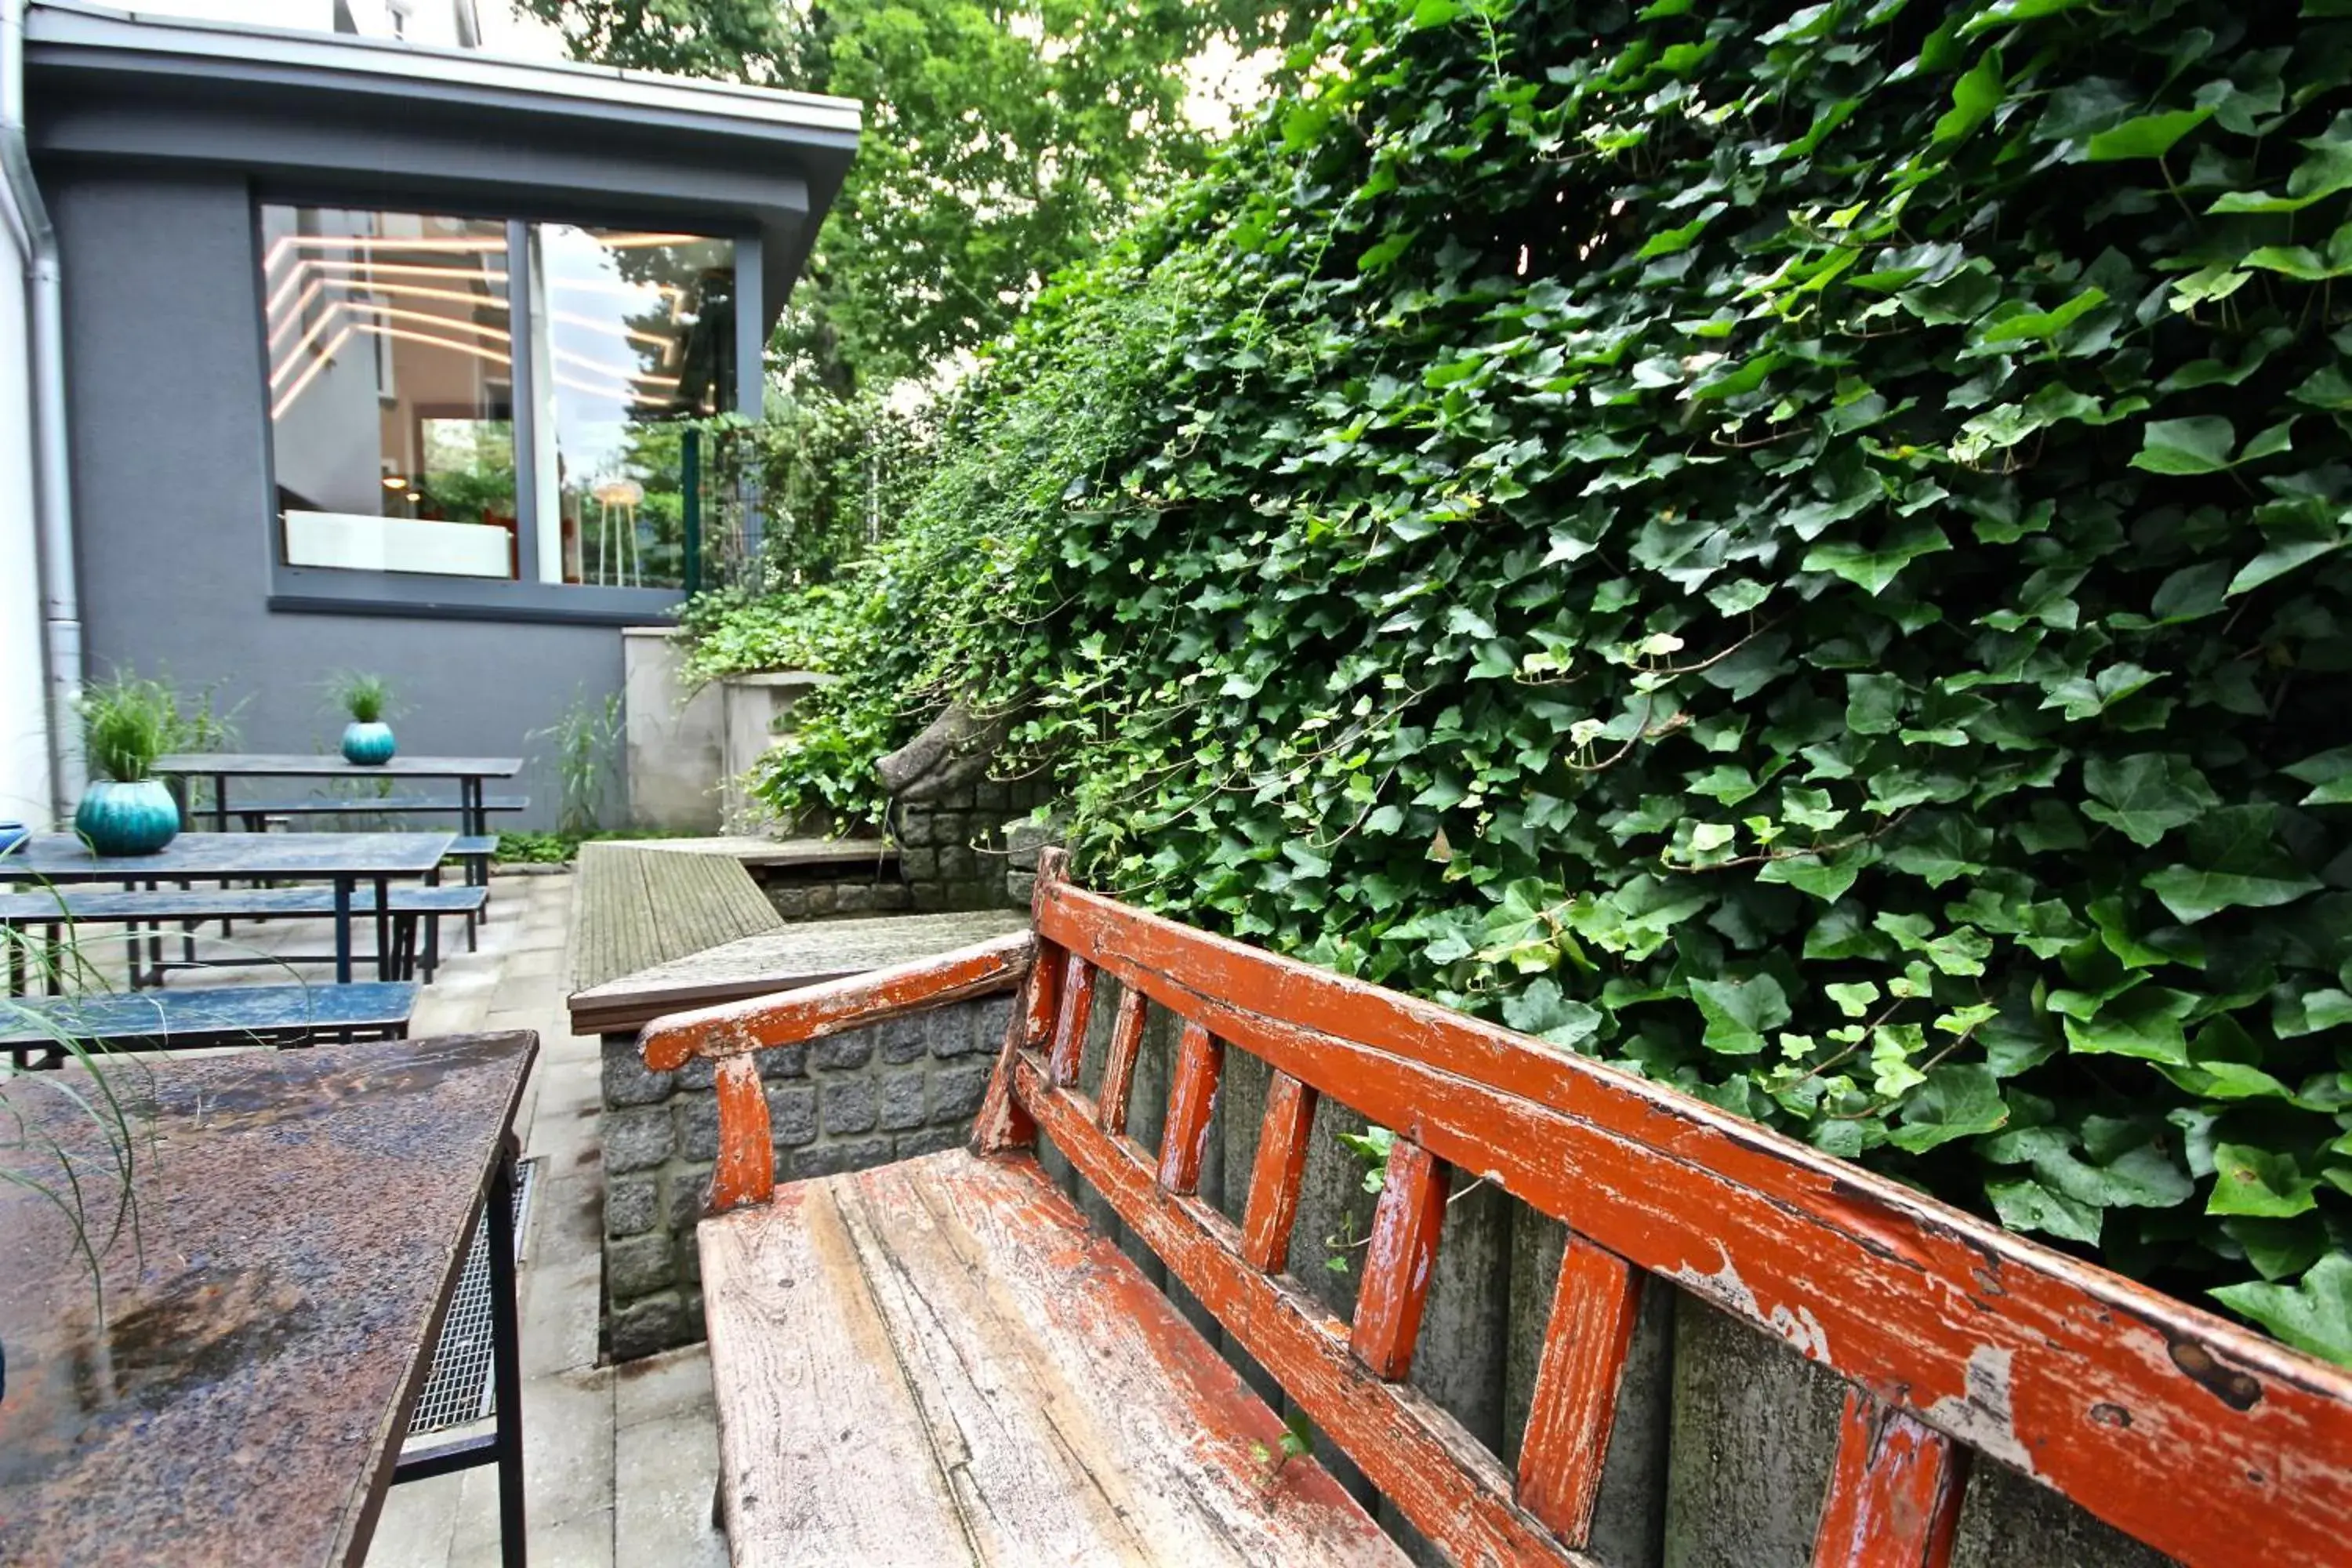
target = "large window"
x: 408, y: 439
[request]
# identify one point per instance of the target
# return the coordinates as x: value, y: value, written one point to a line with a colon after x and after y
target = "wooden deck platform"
x: 641, y: 906
x: 935, y: 1362
x: 785, y: 959
x: 847, y: 855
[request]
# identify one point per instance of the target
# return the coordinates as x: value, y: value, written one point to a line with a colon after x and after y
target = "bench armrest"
x: 729, y: 1034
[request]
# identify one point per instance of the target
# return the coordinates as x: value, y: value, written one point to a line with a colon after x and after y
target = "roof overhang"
x: 334, y: 118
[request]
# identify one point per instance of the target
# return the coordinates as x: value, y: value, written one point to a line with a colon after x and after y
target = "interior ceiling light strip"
x: 287, y: 242
x: 306, y: 266
x: 643, y: 241
x: 608, y: 368
x: 309, y: 373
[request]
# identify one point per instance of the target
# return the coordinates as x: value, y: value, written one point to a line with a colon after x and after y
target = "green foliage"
x: 363, y: 697
x: 1797, y: 551
x: 1002, y: 143
x: 129, y: 720
x: 587, y: 739
x: 832, y: 474
x: 537, y: 848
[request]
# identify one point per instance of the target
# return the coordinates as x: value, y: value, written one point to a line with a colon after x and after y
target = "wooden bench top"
x: 802, y: 954
x: 934, y: 1363
x: 640, y: 906
x: 1956, y: 1340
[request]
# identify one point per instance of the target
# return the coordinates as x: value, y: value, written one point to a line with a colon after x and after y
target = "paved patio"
x: 584, y: 1424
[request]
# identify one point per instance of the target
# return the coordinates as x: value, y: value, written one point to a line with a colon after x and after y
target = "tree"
x: 1002, y: 143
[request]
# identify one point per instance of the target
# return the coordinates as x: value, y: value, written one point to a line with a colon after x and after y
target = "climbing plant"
x: 1798, y: 550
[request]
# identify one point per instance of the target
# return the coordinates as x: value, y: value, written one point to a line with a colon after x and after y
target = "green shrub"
x: 129, y: 720
x: 1797, y: 551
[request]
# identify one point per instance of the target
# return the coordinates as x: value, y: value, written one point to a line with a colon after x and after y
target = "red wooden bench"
x: 936, y: 1362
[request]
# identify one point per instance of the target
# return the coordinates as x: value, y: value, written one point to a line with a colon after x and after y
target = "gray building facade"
x: 378, y: 357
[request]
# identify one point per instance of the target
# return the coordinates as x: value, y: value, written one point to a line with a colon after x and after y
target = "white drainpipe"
x: 52, y: 483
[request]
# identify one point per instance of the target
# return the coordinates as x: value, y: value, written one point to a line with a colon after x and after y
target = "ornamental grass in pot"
x: 365, y: 700
x: 127, y: 723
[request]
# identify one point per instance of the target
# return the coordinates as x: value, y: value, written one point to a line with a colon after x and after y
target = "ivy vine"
x: 1797, y: 550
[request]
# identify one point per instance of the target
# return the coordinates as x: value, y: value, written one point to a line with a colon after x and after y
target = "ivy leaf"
x: 2330, y: 775
x: 2146, y: 796
x: 2143, y: 1023
x: 2233, y: 863
x: 2327, y: 170
x: 1737, y: 1012
x: 2030, y: 1206
x: 1959, y: 1100
x: 2199, y: 446
x: 2258, y: 1182
x: 1874, y: 570
x: 2314, y: 1315
x: 1539, y: 1008
x: 2148, y: 136
x: 1974, y: 98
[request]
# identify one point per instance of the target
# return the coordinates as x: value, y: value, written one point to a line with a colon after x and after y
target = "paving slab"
x: 661, y: 1387
x: 663, y: 1515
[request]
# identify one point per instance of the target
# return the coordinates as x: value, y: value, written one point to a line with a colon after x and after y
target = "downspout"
x: 52, y: 484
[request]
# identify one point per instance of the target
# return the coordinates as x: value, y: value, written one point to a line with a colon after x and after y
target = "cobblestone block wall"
x: 951, y: 850
x: 889, y: 1092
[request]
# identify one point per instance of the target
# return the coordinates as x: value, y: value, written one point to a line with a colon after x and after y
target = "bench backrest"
x: 2197, y: 1437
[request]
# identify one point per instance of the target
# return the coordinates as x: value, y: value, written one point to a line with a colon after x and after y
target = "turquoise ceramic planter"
x: 127, y: 818
x: 367, y: 745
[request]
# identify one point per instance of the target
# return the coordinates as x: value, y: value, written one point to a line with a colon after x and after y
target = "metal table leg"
x: 384, y: 959
x: 344, y: 929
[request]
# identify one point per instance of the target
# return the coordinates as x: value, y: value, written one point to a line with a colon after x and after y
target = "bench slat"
x: 1118, y: 1062
x: 1191, y: 1101
x: 1894, y: 1491
x: 1594, y: 1306
x: 1075, y: 1017
x: 1397, y: 1262
x: 1279, y: 1173
x: 313, y: 806
x: 1014, y: 1389
x: 1421, y: 1458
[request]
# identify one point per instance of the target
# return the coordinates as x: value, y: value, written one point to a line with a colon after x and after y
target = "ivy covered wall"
x: 1794, y: 550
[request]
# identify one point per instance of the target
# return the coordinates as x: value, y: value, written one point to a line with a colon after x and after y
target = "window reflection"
x: 633, y: 332
x: 391, y: 390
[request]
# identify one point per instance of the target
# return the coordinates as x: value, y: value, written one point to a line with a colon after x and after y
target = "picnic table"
x: 178, y: 767
x: 342, y: 859
x: 303, y: 1223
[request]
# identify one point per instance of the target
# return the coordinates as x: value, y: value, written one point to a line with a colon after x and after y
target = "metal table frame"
x: 502, y: 1445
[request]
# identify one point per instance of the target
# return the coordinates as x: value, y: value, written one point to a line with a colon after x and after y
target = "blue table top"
x: 211, y: 856
x: 327, y: 764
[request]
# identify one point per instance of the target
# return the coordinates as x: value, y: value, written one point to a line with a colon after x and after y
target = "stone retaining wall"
x: 889, y: 1092
x: 951, y: 850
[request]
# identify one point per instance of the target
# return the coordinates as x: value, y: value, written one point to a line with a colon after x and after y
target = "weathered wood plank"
x: 641, y: 907
x: 1405, y: 1227
x: 1280, y: 1169
x: 745, y: 1171
x: 1071, y: 1020
x: 1438, y: 1475
x: 1033, y: 1397
x: 1594, y: 1308
x: 1895, y: 1495
x: 1191, y: 1103
x: 736, y: 1028
x: 796, y: 1351
x: 2188, y: 1432
x: 1119, y: 1061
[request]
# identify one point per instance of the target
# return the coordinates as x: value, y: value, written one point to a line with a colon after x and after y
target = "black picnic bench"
x: 410, y: 908
x: 256, y: 815
x: 202, y: 1018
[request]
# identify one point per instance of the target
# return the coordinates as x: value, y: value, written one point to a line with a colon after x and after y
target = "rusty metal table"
x: 303, y: 1218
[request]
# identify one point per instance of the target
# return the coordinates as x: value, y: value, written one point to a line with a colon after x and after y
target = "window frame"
x: 335, y: 590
